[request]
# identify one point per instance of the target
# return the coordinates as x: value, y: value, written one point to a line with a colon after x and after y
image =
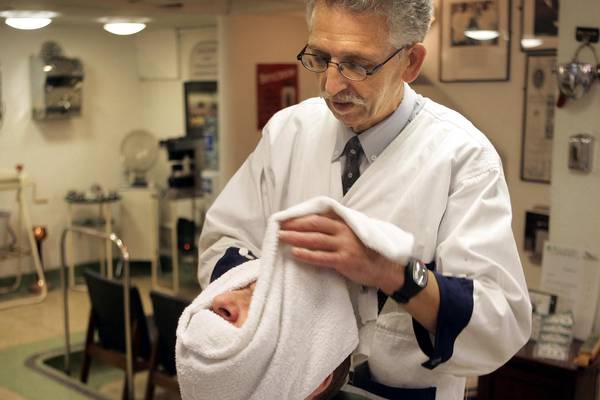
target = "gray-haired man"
x: 410, y: 162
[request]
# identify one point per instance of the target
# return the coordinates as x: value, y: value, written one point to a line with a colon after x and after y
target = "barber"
x: 462, y: 302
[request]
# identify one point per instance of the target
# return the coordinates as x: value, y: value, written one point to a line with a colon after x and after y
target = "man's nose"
x: 334, y: 82
x: 226, y: 306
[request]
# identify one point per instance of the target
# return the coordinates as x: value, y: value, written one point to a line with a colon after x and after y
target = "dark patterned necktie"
x: 352, y: 151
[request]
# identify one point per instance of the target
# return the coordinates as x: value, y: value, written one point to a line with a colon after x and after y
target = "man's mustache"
x: 344, y: 97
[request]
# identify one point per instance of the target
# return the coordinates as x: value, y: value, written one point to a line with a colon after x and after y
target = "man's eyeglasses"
x: 349, y: 70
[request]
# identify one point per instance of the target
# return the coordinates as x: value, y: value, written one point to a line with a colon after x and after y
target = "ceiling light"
x: 481, y: 34
x: 124, y: 26
x: 28, y: 19
x: 531, y: 43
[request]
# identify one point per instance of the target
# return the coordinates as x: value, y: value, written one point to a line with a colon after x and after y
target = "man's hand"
x: 325, y: 240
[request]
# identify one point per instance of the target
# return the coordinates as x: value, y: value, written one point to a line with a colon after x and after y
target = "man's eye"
x: 354, y: 67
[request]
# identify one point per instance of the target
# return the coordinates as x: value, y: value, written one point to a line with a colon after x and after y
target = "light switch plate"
x: 581, y: 150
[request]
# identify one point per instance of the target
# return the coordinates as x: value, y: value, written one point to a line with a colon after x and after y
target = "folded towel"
x: 300, y: 325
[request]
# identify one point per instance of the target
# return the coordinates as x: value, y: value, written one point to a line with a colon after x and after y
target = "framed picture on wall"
x: 276, y: 88
x: 539, y: 25
x: 475, y: 40
x: 539, y: 104
x: 201, y: 107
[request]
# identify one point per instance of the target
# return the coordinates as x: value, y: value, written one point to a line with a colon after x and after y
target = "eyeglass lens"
x: 318, y: 63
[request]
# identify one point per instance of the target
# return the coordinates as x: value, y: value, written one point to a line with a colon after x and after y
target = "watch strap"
x: 410, y: 287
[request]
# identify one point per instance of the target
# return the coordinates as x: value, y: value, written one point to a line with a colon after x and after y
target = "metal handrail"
x: 126, y: 302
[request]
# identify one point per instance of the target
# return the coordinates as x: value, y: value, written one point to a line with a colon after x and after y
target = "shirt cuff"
x: 456, y: 308
x: 233, y: 257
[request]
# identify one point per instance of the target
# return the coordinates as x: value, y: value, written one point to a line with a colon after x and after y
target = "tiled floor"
x: 32, y: 323
x: 45, y: 320
x: 44, y: 323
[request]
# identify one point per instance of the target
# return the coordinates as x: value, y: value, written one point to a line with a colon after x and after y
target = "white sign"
x: 574, y: 275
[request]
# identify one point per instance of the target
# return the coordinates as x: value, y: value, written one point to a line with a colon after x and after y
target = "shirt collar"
x: 375, y: 139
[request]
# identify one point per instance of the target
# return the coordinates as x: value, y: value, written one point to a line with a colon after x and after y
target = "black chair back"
x: 167, y: 310
x: 106, y: 297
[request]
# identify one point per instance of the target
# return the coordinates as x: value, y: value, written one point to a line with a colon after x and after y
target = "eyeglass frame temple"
x: 378, y: 66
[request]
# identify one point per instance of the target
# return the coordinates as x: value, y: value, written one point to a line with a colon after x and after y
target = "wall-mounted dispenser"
x: 581, y: 149
x: 56, y: 83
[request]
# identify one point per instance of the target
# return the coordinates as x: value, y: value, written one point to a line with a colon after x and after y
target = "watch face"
x: 420, y: 274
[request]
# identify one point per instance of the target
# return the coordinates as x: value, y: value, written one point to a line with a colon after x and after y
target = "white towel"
x: 300, y: 325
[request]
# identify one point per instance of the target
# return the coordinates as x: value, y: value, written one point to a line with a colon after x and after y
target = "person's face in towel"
x: 233, y: 306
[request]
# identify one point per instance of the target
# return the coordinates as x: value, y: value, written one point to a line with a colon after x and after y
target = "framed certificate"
x: 538, y: 117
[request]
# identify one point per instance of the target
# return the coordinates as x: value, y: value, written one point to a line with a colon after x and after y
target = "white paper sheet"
x: 574, y: 275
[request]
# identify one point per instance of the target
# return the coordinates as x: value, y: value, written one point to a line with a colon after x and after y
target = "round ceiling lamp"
x: 124, y: 26
x: 28, y: 20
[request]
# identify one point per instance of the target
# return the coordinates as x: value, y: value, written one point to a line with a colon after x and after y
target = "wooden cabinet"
x: 527, y: 377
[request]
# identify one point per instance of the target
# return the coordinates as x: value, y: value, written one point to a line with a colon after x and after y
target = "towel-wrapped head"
x: 242, y: 339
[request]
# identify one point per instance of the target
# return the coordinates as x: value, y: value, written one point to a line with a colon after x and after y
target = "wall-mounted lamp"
x: 28, y: 20
x: 124, y: 26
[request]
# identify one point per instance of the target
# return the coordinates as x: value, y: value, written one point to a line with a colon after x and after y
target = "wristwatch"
x: 415, y: 280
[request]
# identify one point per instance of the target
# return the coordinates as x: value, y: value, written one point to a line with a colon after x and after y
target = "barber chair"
x: 107, y: 320
x: 167, y: 310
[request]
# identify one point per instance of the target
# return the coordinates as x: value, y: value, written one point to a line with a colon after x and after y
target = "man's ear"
x: 415, y: 62
x: 322, y: 387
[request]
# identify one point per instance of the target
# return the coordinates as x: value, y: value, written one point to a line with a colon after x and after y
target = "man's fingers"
x: 312, y: 223
x: 316, y: 257
x: 332, y: 215
x: 308, y: 240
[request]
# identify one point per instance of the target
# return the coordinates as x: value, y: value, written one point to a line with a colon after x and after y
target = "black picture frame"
x: 463, y: 59
x: 200, y: 101
x: 539, y: 104
x: 539, y: 25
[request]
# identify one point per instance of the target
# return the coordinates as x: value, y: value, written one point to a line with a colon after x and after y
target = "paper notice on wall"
x: 574, y: 275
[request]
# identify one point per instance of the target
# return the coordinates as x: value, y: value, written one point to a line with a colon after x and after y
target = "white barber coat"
x: 439, y: 179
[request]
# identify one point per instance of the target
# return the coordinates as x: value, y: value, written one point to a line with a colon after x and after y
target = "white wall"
x: 161, y: 99
x: 496, y: 108
x: 85, y: 149
x: 73, y: 153
x: 574, y: 218
x: 246, y: 41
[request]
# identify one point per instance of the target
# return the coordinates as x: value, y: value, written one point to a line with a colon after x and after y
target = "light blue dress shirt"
x: 375, y: 139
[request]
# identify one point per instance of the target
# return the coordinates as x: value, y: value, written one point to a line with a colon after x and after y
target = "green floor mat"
x: 36, y: 371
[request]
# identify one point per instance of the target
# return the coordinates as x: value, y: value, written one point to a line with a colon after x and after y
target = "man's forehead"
x: 343, y: 53
x: 348, y: 34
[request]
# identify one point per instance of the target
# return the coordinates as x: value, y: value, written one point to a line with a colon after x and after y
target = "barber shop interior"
x: 299, y: 199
